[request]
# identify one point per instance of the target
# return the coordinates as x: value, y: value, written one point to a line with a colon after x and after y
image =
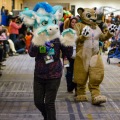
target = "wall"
x: 18, y: 4
x: 79, y: 3
x: 8, y: 4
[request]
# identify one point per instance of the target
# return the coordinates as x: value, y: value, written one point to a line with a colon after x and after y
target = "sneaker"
x: 15, y: 54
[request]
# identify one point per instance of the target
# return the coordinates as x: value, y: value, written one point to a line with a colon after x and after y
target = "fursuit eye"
x: 44, y: 23
x: 88, y: 15
x: 55, y: 21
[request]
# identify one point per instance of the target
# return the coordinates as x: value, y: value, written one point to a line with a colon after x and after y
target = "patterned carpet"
x: 16, y: 95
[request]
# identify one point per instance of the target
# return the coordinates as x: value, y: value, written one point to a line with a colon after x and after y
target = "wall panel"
x: 78, y: 3
x: 8, y: 4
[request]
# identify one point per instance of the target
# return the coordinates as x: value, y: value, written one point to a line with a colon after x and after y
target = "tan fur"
x: 88, y: 63
x: 66, y: 23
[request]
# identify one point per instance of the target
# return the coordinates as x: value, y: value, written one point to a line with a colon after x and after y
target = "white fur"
x: 36, y: 17
x: 12, y: 46
x: 42, y: 38
x: 68, y: 39
x: 59, y: 14
x: 85, y: 30
x: 93, y: 60
x: 57, y: 35
x: 39, y: 39
x: 28, y: 21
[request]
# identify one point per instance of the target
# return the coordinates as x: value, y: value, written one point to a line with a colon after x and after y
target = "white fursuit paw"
x: 39, y: 39
x: 86, y: 31
x: 68, y: 37
x: 112, y: 29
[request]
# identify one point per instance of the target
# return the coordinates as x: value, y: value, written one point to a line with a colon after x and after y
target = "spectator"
x: 69, y: 23
x: 3, y: 39
x: 23, y: 28
x: 5, y: 19
x: 10, y: 16
x: 28, y: 38
x: 14, y: 29
x: 3, y: 10
x: 20, y: 44
x: 1, y: 56
x: 2, y: 14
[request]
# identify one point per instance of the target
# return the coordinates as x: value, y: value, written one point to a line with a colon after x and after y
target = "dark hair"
x: 18, y: 20
x: 28, y: 33
x: 2, y: 31
x: 2, y: 9
x: 21, y: 36
x: 71, y: 18
x: 6, y: 11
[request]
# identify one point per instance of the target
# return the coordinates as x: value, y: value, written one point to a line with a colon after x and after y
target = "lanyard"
x: 49, y: 45
x: 49, y: 48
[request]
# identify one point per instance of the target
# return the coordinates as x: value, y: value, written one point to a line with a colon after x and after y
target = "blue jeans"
x: 13, y: 37
x: 45, y: 91
x: 20, y: 51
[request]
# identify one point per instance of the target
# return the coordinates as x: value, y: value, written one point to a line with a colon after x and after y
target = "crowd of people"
x: 15, y: 37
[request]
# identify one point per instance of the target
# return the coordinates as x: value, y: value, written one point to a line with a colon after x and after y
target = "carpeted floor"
x: 16, y: 94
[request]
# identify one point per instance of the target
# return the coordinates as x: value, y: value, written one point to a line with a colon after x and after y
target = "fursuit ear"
x: 36, y: 17
x: 58, y: 11
x: 80, y: 11
x: 66, y: 23
x: 95, y: 8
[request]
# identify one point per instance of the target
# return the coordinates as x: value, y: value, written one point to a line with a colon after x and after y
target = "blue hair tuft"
x: 48, y: 8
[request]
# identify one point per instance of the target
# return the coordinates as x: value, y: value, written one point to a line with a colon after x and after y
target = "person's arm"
x: 67, y: 51
x: 33, y: 50
x: 16, y: 25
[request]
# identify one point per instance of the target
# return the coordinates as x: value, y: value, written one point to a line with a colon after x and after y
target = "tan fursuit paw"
x: 81, y: 98
x: 99, y: 100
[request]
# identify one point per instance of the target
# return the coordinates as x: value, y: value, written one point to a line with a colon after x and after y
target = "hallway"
x: 16, y: 94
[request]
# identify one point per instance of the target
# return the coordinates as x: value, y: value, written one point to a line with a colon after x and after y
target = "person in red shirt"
x: 14, y: 29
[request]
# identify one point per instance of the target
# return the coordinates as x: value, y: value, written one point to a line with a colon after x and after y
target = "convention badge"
x: 48, y: 59
x: 51, y: 51
x: 42, y: 49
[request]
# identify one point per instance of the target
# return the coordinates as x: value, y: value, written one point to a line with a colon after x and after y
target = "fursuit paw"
x: 99, y: 100
x: 86, y: 31
x: 81, y: 98
x: 39, y: 38
x: 112, y: 29
x: 68, y: 37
